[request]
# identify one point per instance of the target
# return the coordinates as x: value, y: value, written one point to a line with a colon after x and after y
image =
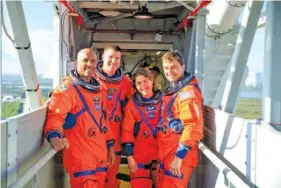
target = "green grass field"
x: 249, y: 108
x: 10, y: 109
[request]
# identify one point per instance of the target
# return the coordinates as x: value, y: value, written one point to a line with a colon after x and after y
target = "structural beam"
x: 199, y: 48
x: 262, y: 20
x: 1, y: 149
x: 1, y: 9
x: 113, y: 6
x: 136, y: 46
x: 129, y: 31
x: 57, y: 61
x: 191, y: 54
x: 186, y: 46
x: 241, y: 52
x: 272, y: 65
x: 23, y: 47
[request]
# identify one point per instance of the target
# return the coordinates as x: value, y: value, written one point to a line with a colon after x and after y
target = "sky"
x: 256, y: 56
x: 39, y: 18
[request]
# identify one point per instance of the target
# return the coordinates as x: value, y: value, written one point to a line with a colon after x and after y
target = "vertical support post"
x: 12, y: 151
x: 199, y: 48
x: 251, y: 150
x: 191, y: 55
x: 61, y: 67
x: 272, y: 65
x: 1, y: 9
x: 57, y: 52
x: 186, y: 46
x: 23, y: 46
x: 246, y: 35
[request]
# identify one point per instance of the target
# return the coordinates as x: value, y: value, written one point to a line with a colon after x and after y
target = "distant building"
x: 251, y: 80
x: 254, y: 79
x: 259, y: 79
x: 7, y: 98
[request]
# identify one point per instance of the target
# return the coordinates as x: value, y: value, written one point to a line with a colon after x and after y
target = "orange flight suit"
x: 75, y: 111
x: 117, y: 90
x: 180, y: 131
x: 139, y: 133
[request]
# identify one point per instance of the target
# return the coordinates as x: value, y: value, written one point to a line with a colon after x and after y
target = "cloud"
x: 42, y: 45
x: 10, y: 66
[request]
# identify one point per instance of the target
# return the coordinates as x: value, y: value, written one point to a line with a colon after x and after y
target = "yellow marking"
x: 124, y: 169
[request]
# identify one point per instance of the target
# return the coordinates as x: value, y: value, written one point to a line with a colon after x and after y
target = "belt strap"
x: 89, y: 172
x: 147, y: 166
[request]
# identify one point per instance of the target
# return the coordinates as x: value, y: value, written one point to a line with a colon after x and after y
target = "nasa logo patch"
x: 150, y: 108
x: 151, y: 115
x: 110, y: 96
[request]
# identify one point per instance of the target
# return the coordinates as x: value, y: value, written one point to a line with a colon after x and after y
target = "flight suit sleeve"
x: 58, y: 106
x: 127, y: 134
x: 128, y: 92
x: 190, y: 113
x: 129, y: 88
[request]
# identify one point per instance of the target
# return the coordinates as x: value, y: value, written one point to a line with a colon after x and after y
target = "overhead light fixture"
x: 143, y: 13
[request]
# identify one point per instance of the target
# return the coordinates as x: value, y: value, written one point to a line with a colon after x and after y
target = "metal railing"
x: 223, y: 168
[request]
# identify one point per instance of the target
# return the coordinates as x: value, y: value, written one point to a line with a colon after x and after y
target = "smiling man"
x: 181, y: 127
x: 117, y: 89
x: 77, y: 125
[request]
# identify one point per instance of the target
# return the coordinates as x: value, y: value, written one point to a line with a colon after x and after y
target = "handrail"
x: 231, y: 176
x: 23, y: 180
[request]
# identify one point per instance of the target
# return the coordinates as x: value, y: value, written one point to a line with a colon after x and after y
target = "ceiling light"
x: 143, y: 13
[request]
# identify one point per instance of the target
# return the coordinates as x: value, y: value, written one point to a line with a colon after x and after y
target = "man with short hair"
x: 76, y: 124
x: 181, y: 127
x: 117, y: 88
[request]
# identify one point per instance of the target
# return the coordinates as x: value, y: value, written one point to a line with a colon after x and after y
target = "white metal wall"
x: 250, y: 150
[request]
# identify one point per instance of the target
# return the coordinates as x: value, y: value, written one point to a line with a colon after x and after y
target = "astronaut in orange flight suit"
x: 181, y: 126
x: 117, y: 89
x: 76, y: 123
x: 139, y: 130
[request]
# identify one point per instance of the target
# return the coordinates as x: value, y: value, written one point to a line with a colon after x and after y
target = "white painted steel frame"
x: 240, y: 56
x: 23, y: 47
x: 272, y: 65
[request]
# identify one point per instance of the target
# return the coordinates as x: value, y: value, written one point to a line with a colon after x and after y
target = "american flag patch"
x: 186, y: 95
